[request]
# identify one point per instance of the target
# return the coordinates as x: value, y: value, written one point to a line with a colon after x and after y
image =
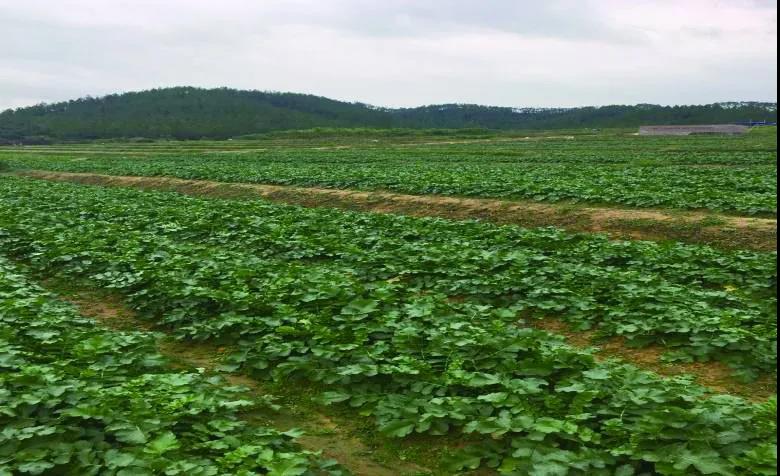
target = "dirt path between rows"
x: 724, y: 231
x: 322, y: 433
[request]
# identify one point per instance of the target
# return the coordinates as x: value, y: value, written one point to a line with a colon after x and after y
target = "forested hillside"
x: 193, y: 113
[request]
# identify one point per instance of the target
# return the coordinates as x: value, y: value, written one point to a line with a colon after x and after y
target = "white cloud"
x: 401, y: 53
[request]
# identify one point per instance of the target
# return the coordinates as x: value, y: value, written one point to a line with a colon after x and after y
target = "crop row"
x: 415, y: 321
x: 732, y: 181
x: 76, y: 399
x: 698, y: 302
x: 513, y: 153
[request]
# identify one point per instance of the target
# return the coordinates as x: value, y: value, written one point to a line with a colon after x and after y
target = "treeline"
x: 455, y: 115
x: 194, y: 113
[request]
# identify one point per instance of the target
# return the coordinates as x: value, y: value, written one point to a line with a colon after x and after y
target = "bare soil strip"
x: 724, y: 231
x: 322, y: 432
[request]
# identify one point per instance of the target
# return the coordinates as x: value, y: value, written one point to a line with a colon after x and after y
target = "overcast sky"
x: 396, y: 52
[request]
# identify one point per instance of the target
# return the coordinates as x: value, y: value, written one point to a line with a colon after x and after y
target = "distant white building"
x: 692, y: 129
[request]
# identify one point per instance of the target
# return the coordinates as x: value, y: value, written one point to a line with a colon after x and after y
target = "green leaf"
x: 549, y: 468
x: 625, y: 470
x: 576, y: 387
x: 597, y: 374
x: 496, y: 397
x: 328, y: 398
x: 133, y: 435
x: 35, y: 467
x: 162, y: 444
x: 116, y: 459
x: 481, y: 379
x: 360, y: 307
x: 135, y: 471
x: 293, y: 466
x: 707, y: 461
x: 398, y: 428
x: 548, y: 425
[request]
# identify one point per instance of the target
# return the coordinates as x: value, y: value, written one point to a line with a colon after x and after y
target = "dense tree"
x: 193, y: 113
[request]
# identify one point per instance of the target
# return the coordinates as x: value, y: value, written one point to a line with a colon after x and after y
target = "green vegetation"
x: 425, y: 328
x: 76, y: 399
x: 736, y: 175
x: 193, y: 113
x: 416, y: 322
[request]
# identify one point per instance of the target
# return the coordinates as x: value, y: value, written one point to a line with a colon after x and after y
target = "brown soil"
x: 322, y: 432
x: 719, y: 230
x: 713, y: 375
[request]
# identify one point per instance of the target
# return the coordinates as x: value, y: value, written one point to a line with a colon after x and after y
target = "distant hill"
x: 194, y: 113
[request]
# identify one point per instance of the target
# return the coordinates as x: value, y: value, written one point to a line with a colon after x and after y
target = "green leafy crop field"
x: 76, y: 399
x: 735, y: 175
x: 472, y: 347
x: 423, y: 326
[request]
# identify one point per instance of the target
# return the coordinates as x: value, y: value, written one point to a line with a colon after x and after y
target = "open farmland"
x: 452, y: 345
x: 732, y: 175
x: 77, y: 399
